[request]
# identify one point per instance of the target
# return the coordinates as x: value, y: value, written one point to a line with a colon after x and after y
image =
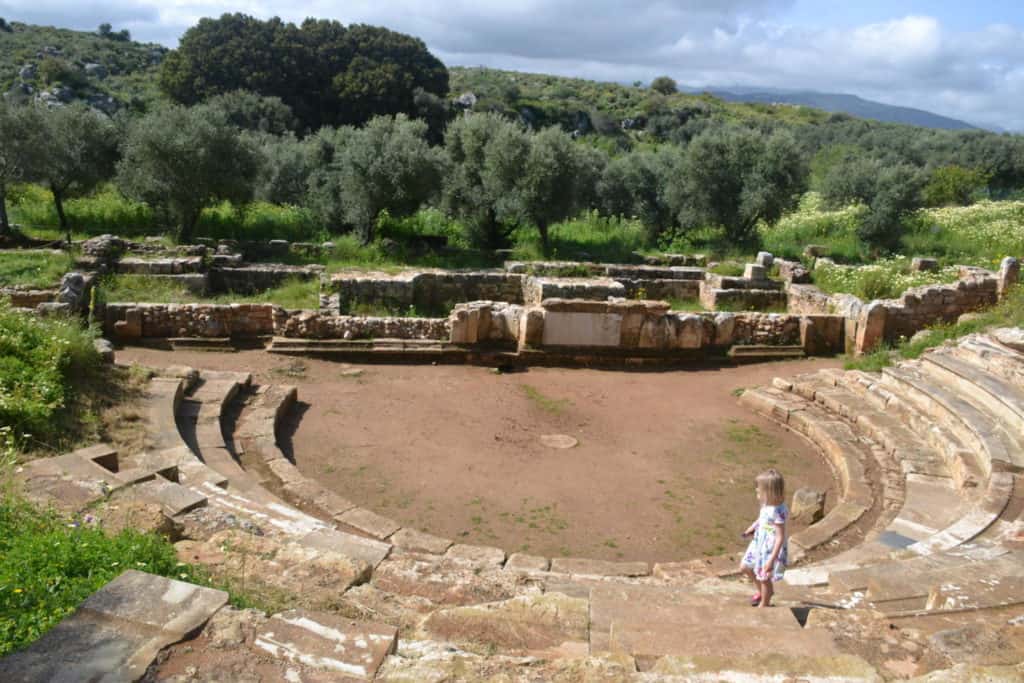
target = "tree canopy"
x: 185, y: 159
x: 329, y: 74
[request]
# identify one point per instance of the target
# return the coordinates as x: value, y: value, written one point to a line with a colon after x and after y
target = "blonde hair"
x: 773, y: 486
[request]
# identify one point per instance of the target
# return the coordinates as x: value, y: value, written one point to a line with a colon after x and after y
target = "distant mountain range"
x: 838, y: 102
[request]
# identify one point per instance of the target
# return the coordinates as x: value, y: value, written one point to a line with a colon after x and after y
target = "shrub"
x: 39, y: 357
x: 884, y: 279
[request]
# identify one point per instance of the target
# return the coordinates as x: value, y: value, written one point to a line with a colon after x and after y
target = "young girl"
x: 766, y: 556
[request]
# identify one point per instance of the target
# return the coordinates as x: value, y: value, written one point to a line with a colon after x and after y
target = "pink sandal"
x: 755, y: 600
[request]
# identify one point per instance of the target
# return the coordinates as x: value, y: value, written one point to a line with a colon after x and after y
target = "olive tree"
x: 387, y: 164
x: 558, y: 178
x: 18, y: 127
x: 634, y: 185
x: 74, y: 150
x: 487, y: 153
x: 187, y: 159
x: 734, y: 177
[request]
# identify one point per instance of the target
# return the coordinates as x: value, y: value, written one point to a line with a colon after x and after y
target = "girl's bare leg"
x: 767, y: 590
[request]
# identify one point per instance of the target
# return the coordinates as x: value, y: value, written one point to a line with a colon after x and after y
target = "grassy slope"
x: 131, y: 65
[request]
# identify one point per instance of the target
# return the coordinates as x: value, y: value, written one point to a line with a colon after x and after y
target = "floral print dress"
x: 760, y: 549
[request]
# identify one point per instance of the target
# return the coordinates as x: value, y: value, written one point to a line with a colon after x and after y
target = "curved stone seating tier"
x: 924, y: 454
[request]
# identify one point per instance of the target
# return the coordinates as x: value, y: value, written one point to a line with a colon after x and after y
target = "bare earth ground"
x: 663, y: 470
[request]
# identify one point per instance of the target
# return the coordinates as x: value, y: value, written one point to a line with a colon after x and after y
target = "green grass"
x: 591, y: 237
x: 1007, y: 313
x: 555, y: 406
x: 34, y: 269
x: 293, y: 293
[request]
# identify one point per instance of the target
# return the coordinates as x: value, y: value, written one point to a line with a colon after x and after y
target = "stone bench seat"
x: 992, y: 446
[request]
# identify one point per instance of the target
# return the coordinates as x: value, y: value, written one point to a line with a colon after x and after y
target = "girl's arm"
x: 750, y: 529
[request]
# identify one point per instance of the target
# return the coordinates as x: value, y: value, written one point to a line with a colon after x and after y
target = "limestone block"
x: 808, y: 505
x: 328, y: 642
x: 921, y: 264
x: 582, y: 329
x: 754, y: 271
x: 871, y: 326
x: 1009, y: 273
x: 765, y: 259
x: 689, y: 332
x: 531, y: 327
x: 655, y: 333
x: 552, y: 624
x: 725, y: 329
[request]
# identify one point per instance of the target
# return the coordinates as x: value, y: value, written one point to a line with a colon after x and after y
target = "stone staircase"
x: 928, y: 525
x: 948, y: 426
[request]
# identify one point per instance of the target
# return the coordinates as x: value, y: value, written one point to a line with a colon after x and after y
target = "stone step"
x: 905, y: 446
x: 201, y: 344
x: 930, y: 504
x: 1003, y: 400
x: 858, y: 578
x: 174, y: 499
x: 653, y: 621
x: 964, y: 587
x: 891, y: 407
x: 755, y: 352
x: 163, y: 397
x: 67, y: 482
x: 976, y: 428
x: 267, y: 407
x: 117, y: 632
x: 102, y: 454
x: 327, y: 643
x: 974, y: 521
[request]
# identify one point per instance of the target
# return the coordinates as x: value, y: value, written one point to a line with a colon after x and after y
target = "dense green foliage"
x: 183, y: 160
x: 327, y: 73
x: 386, y: 165
x: 39, y: 357
x: 532, y: 151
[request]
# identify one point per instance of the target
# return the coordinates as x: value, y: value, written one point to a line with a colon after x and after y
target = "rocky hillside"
x: 110, y: 71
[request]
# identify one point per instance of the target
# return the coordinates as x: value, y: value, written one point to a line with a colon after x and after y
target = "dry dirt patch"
x: 663, y: 468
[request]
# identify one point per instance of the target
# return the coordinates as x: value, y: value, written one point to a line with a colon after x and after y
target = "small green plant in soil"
x: 555, y: 406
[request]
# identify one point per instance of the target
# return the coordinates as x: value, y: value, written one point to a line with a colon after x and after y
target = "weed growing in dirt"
x: 555, y: 406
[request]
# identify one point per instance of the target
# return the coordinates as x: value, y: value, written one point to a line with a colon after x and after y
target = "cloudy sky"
x: 961, y: 59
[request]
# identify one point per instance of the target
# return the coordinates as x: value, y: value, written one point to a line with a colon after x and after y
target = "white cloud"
x: 912, y: 60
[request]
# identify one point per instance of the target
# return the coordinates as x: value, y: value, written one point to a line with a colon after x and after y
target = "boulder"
x: 72, y: 291
x: 765, y: 259
x: 922, y: 264
x: 96, y: 71
x: 27, y: 72
x: 106, y: 247
x: 1010, y: 336
x: 808, y: 505
x: 105, y: 349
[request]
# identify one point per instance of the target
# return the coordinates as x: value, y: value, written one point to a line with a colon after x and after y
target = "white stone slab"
x: 582, y: 329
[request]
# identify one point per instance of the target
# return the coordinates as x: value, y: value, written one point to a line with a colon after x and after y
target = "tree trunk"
x: 188, y: 225
x: 59, y: 201
x: 5, y: 225
x: 545, y: 245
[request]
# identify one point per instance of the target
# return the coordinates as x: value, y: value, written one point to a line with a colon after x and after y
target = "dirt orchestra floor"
x: 663, y: 469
